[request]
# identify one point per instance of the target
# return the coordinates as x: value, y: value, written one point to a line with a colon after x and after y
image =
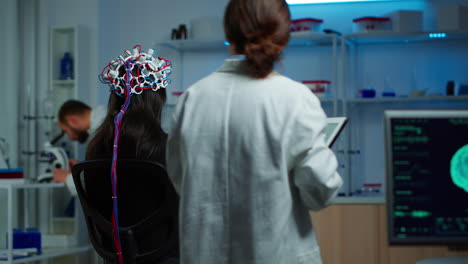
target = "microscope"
x: 51, y: 157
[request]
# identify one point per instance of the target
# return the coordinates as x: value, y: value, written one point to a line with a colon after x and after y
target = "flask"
x: 388, y: 90
x: 450, y: 88
x: 66, y: 67
x: 174, y: 34
x: 182, y: 31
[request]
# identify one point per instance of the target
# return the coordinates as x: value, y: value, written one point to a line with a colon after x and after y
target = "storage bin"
x: 30, y: 238
x: 452, y: 18
x: 369, y: 24
x: 12, y: 173
x: 306, y: 24
x: 406, y: 21
x: 320, y: 88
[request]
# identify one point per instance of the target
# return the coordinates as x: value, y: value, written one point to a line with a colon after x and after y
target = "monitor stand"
x: 447, y: 260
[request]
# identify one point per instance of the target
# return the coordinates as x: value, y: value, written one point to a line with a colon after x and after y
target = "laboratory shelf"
x: 196, y: 45
x: 322, y: 100
x: 50, y: 253
x: 328, y: 100
x: 415, y: 99
x: 297, y: 39
x: 311, y: 39
x: 20, y: 184
x: 64, y: 82
x: 383, y: 37
x: 11, y: 186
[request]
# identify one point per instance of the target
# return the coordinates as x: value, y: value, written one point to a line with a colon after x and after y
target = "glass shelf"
x: 303, y: 39
x: 297, y: 39
x: 64, y: 82
x: 396, y: 37
x: 196, y: 45
x: 327, y: 100
x: 50, y: 253
x: 411, y: 99
x: 21, y: 184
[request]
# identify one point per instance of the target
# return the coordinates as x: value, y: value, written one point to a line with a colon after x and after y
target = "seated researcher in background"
x: 141, y: 137
x: 78, y: 121
x: 247, y: 152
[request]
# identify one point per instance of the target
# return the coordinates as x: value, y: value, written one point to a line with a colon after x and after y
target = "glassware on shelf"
x: 388, y: 90
x: 369, y: 189
x: 66, y: 67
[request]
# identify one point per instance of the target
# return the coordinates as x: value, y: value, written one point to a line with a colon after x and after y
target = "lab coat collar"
x: 234, y: 64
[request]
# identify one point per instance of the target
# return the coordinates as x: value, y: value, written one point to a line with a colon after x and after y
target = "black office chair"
x: 148, y: 206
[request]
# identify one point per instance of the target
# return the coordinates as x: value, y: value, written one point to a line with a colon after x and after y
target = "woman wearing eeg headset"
x: 246, y: 151
x: 137, y: 83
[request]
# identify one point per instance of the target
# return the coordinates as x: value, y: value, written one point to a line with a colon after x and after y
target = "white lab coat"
x: 97, y: 116
x: 249, y: 160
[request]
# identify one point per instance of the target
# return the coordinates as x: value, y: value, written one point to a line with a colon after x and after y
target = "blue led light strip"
x: 437, y: 35
x: 303, y: 2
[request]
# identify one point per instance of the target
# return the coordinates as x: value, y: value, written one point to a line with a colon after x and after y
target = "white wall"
x: 119, y: 24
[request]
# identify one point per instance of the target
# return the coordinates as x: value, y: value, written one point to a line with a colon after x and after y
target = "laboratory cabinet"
x: 68, y: 77
x: 356, y: 233
x: 62, y: 85
x: 415, y: 67
x: 383, y: 71
x: 31, y: 204
x: 28, y: 205
x: 39, y: 124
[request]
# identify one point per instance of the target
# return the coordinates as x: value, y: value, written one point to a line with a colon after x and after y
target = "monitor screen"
x: 427, y: 176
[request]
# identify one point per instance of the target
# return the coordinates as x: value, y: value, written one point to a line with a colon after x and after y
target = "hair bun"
x: 261, y: 54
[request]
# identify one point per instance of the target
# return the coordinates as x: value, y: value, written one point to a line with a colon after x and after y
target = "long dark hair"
x: 141, y: 136
x: 260, y: 30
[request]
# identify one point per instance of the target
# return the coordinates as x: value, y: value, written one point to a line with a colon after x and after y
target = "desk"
x: 357, y: 234
x: 11, y: 186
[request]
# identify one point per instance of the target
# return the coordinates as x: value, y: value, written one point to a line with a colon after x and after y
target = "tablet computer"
x: 333, y: 128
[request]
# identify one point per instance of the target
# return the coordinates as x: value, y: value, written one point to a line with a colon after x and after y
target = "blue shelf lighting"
x: 303, y: 2
x: 437, y: 35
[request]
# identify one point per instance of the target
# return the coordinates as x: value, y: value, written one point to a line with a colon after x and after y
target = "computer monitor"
x: 427, y: 176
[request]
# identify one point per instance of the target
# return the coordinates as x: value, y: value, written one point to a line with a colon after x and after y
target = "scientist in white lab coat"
x: 78, y: 121
x: 246, y: 151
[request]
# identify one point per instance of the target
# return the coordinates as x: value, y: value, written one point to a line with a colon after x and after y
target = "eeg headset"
x: 142, y: 72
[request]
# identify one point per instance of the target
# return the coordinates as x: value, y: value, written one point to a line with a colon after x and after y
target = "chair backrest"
x: 148, y: 208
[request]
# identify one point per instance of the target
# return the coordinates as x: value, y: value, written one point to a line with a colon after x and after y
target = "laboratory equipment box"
x: 407, y: 21
x: 321, y: 88
x: 370, y: 24
x: 305, y: 25
x: 452, y: 18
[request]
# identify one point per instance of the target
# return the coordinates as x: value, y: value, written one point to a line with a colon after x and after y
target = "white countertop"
x: 21, y: 184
